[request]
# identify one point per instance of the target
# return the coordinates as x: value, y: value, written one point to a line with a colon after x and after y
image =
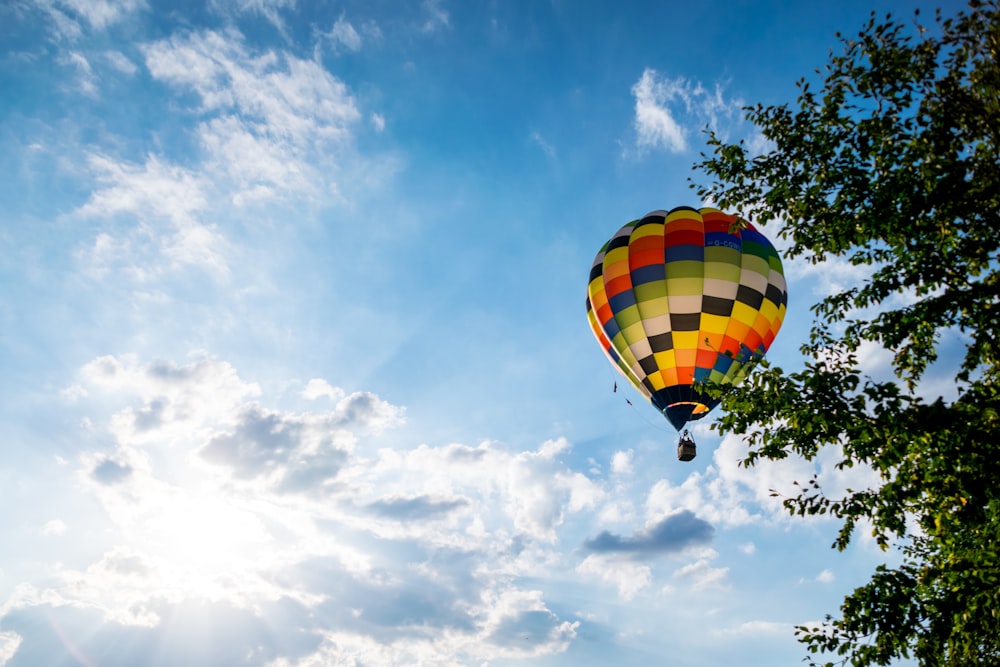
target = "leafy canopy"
x: 892, y: 164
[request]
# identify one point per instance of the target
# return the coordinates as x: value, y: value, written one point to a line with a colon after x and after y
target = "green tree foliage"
x: 894, y: 165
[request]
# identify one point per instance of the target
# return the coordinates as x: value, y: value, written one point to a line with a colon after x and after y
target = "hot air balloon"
x: 683, y: 298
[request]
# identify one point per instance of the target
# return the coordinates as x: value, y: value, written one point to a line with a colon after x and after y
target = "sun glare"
x: 203, y: 538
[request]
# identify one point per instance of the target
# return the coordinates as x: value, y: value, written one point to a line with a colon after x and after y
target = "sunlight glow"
x: 203, y: 544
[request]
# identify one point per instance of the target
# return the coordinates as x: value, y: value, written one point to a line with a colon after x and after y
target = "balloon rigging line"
x: 614, y: 390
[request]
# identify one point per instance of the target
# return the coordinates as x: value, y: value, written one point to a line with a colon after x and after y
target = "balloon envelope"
x: 683, y: 297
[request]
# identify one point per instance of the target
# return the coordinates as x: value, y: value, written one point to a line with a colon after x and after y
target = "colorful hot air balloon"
x: 683, y: 297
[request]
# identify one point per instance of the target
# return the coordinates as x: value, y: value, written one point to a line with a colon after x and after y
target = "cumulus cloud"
x: 223, y: 501
x: 673, y: 533
x: 318, y: 387
x: 621, y: 462
x: 226, y: 506
x: 292, y: 452
x: 530, y: 492
x: 727, y: 494
x: 520, y: 625
x: 171, y: 398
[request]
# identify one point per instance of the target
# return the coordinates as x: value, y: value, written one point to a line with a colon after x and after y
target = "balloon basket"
x: 686, y: 450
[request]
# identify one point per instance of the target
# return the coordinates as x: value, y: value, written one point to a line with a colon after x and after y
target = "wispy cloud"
x: 54, y: 527
x: 546, y: 147
x: 272, y: 127
x: 165, y: 202
x: 343, y: 35
x: 120, y: 62
x: 669, y: 110
x: 102, y: 13
x: 757, y: 628
x: 68, y: 16
x: 436, y: 16
x: 628, y: 577
x: 701, y: 575
x: 269, y: 9
x: 86, y: 81
x: 294, y: 99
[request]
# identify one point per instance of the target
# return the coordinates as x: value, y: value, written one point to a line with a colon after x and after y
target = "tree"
x: 894, y: 165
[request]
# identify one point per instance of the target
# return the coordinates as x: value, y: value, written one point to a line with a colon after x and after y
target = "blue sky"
x: 296, y: 368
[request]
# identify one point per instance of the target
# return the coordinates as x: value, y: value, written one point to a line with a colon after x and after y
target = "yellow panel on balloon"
x: 744, y: 314
x: 715, y: 324
x: 685, y: 340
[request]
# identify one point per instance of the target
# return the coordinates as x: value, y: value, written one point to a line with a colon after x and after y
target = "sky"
x: 296, y: 370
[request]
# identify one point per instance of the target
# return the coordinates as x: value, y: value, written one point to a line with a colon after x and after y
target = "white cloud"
x: 701, y: 575
x: 275, y: 126
x: 272, y: 127
x: 120, y: 62
x: 54, y: 527
x: 287, y: 97
x: 668, y: 111
x: 152, y: 189
x: 757, y: 628
x: 343, y: 33
x: 98, y: 14
x: 269, y: 9
x: 621, y: 462
x: 318, y: 387
x: 378, y: 122
x: 9, y: 642
x: 546, y: 147
x: 530, y: 492
x: 102, y: 13
x: 727, y: 494
x: 86, y: 82
x: 513, y: 616
x: 628, y: 577
x: 832, y: 276
x: 166, y: 201
x: 654, y: 123
x: 293, y: 513
x: 169, y: 394
x: 437, y: 17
